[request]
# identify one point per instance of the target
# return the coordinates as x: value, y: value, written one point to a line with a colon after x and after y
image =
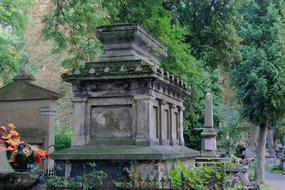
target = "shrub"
x: 197, y: 177
x: 86, y: 181
x: 62, y: 138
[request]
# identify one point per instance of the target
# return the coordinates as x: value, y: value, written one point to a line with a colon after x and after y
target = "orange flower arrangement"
x: 22, y: 155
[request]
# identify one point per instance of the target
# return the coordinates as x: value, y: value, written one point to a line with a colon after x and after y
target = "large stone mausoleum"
x: 128, y: 112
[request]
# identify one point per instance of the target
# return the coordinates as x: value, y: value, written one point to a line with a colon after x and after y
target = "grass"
x: 275, y: 170
x: 264, y: 187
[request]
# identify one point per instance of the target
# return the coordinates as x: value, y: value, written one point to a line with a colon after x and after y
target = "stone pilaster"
x: 143, y: 119
x: 50, y: 141
x: 181, y: 137
x: 79, y: 136
x: 164, y: 121
x: 171, y: 106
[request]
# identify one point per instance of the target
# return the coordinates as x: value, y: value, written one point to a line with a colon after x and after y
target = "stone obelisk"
x: 209, y: 145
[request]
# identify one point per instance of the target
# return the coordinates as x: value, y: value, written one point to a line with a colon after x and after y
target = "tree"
x: 158, y: 18
x: 211, y: 29
x: 259, y: 78
x: 13, y: 15
x: 72, y: 28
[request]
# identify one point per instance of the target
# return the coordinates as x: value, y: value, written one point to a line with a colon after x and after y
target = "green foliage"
x: 157, y: 19
x: 72, y: 28
x: 259, y: 78
x: 229, y: 129
x: 277, y: 169
x: 62, y: 138
x: 153, y: 16
x: 13, y: 16
x: 56, y: 181
x: 86, y: 181
x: 197, y: 177
x: 211, y: 27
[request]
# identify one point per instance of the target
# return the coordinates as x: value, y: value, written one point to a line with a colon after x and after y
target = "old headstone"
x: 31, y: 109
x: 270, y: 143
x: 283, y: 151
x: 209, y: 145
x: 250, y: 143
x: 127, y: 112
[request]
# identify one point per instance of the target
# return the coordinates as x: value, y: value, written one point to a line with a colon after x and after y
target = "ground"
x: 276, y: 181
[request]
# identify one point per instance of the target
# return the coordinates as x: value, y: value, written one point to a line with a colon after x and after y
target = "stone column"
x: 270, y: 142
x: 79, y: 134
x: 208, y: 134
x: 180, y: 123
x: 50, y: 113
x: 171, y: 119
x: 160, y: 103
x: 143, y: 117
x: 163, y: 122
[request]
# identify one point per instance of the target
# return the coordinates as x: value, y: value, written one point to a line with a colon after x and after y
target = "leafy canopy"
x: 72, y: 27
x: 211, y: 27
x: 13, y: 16
x: 259, y: 79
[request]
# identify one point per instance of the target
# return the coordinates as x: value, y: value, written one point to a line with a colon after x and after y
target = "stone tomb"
x: 31, y: 109
x: 128, y: 112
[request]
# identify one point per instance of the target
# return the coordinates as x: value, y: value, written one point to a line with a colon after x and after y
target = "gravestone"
x: 31, y: 109
x: 250, y: 143
x: 127, y: 111
x: 270, y: 143
x: 209, y: 144
x: 283, y: 151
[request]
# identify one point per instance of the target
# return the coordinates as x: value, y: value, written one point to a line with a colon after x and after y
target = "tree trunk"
x: 260, y: 154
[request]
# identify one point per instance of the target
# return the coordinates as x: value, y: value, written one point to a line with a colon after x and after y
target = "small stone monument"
x: 283, y: 151
x: 128, y: 112
x: 32, y: 109
x: 209, y: 145
x: 270, y: 143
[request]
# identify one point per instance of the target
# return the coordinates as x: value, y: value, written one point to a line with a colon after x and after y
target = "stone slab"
x: 111, y: 121
x: 125, y: 152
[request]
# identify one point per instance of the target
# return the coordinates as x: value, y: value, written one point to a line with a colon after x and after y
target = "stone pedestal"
x: 126, y: 108
x: 12, y: 180
x: 209, y: 144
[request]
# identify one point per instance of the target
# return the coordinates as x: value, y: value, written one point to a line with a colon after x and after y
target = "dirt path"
x: 277, y: 182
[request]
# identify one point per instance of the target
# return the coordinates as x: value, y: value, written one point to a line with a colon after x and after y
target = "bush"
x: 86, y: 182
x: 62, y: 138
x: 198, y: 177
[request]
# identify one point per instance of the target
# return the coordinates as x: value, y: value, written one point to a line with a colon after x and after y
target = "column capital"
x: 172, y: 106
x: 79, y: 99
x: 180, y: 108
x: 162, y: 102
x: 143, y: 97
x: 47, y: 111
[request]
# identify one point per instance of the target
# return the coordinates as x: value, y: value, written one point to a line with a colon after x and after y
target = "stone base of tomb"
x: 16, y: 180
x: 118, y: 161
x: 207, y: 159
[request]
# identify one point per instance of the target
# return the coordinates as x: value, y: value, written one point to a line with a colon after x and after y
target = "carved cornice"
x: 126, y: 70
